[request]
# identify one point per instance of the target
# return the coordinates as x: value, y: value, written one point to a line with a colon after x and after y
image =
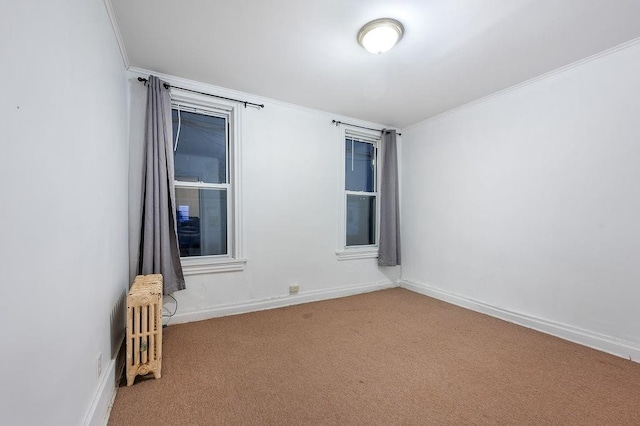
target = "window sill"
x: 357, y: 254
x: 211, y: 266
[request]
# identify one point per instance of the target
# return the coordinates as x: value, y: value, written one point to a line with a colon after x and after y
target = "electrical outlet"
x: 294, y: 288
x: 99, y: 365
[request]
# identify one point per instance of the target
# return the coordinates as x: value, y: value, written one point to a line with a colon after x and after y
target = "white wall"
x: 63, y: 168
x: 290, y: 167
x: 530, y: 202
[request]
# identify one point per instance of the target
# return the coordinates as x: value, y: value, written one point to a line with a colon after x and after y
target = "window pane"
x: 361, y: 220
x: 201, y: 151
x: 202, y: 221
x: 359, y: 166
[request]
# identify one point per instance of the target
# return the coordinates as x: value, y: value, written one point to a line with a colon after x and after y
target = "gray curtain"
x: 159, y: 252
x: 389, y: 250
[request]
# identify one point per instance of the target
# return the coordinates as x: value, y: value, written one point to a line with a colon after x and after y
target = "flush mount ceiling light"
x: 380, y: 35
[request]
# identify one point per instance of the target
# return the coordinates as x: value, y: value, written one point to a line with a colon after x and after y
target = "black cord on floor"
x: 169, y: 314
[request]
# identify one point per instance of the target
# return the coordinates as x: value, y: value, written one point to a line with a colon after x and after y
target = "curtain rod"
x: 167, y: 86
x: 336, y: 122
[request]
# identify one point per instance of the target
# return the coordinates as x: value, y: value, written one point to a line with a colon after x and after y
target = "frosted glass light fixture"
x: 380, y: 35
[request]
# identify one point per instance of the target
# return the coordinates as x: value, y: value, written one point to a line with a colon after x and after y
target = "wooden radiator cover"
x: 144, y: 327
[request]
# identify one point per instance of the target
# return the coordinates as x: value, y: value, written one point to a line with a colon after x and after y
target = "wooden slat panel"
x: 152, y: 334
x: 159, y: 333
x: 144, y: 338
x: 144, y: 327
x: 136, y: 333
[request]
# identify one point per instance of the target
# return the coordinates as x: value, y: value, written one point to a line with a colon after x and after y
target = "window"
x: 359, y: 236
x: 206, y: 185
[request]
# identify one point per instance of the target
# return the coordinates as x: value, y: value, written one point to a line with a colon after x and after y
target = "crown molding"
x: 525, y: 83
x: 116, y: 31
x: 222, y: 91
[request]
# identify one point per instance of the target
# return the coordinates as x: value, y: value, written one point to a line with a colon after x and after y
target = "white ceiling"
x: 305, y: 51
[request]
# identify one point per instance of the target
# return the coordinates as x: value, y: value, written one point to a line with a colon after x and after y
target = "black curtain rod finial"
x: 168, y: 86
x: 337, y: 123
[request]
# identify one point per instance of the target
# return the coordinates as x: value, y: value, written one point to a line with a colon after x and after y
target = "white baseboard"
x: 98, y: 414
x: 601, y: 342
x: 279, y: 302
x: 103, y: 400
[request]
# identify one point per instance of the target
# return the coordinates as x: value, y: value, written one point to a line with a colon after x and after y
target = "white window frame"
x: 345, y: 252
x: 233, y: 260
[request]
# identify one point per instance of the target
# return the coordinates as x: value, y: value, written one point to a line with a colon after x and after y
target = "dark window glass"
x: 201, y: 148
x: 359, y: 166
x: 202, y: 221
x: 361, y: 220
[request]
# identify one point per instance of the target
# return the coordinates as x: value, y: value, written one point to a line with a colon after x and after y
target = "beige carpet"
x: 390, y: 357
